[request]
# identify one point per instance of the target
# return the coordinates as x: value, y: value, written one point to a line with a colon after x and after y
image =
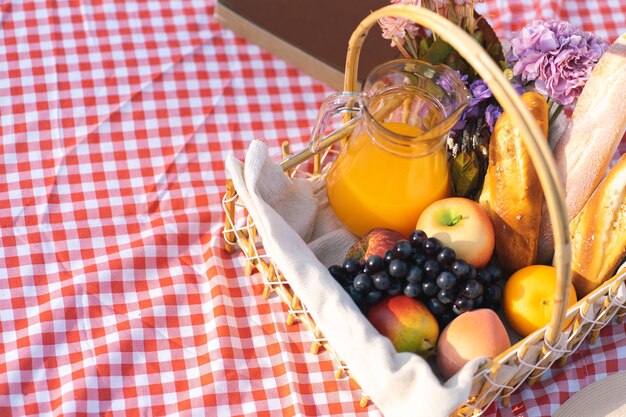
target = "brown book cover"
x: 311, y: 35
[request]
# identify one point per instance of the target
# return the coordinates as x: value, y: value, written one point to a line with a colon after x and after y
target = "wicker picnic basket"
x: 553, y: 342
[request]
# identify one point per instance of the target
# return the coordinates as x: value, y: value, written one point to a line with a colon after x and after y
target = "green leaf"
x: 423, y: 48
x: 438, y: 52
x: 478, y: 35
x: 465, y: 172
x: 490, y: 40
x: 456, y: 62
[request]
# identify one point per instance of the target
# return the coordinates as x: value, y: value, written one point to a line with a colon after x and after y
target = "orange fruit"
x: 528, y: 298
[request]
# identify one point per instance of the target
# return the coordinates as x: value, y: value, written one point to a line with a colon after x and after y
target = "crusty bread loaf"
x: 511, y: 193
x: 584, y: 152
x: 598, y: 232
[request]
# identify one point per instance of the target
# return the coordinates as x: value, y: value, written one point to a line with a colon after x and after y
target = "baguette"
x: 584, y: 152
x: 598, y: 232
x: 511, y: 193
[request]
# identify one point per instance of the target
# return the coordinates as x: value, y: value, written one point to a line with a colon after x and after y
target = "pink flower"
x: 443, y: 3
x: 396, y: 28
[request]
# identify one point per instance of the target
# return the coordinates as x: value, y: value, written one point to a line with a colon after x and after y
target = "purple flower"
x: 480, y: 93
x: 556, y: 56
x: 460, y: 124
x: 518, y: 88
x: 480, y: 90
x: 492, y: 113
x: 481, y: 103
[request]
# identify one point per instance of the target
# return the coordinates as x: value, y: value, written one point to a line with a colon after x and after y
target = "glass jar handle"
x: 337, y: 103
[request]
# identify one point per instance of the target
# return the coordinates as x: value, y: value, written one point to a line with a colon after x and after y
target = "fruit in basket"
x: 528, y: 298
x: 423, y: 269
x: 461, y: 225
x: 407, y: 322
x: 478, y: 333
x: 375, y: 242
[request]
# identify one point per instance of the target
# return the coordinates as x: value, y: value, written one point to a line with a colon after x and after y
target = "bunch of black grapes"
x: 422, y: 268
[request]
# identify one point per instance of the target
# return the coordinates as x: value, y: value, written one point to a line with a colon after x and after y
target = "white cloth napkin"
x: 296, y: 224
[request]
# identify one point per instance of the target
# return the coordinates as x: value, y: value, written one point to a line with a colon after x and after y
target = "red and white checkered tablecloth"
x: 116, y: 296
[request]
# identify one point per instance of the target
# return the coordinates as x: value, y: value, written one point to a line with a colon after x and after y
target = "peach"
x: 408, y: 323
x: 478, y: 333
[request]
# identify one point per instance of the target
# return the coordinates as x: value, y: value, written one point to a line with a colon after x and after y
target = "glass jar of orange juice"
x: 395, y: 162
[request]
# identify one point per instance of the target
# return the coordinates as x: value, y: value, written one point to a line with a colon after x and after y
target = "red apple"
x: 408, y: 323
x: 375, y: 242
x: 461, y: 224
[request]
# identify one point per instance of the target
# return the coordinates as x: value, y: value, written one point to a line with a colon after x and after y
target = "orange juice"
x: 383, y: 189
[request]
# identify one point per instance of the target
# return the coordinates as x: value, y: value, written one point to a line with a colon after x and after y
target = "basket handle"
x: 536, y: 145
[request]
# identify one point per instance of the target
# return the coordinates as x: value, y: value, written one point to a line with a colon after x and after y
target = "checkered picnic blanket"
x: 116, y: 295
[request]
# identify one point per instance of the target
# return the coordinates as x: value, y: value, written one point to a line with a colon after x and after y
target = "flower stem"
x: 401, y: 49
x: 395, y: 42
x: 410, y: 45
x: 556, y: 114
x: 431, y: 7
